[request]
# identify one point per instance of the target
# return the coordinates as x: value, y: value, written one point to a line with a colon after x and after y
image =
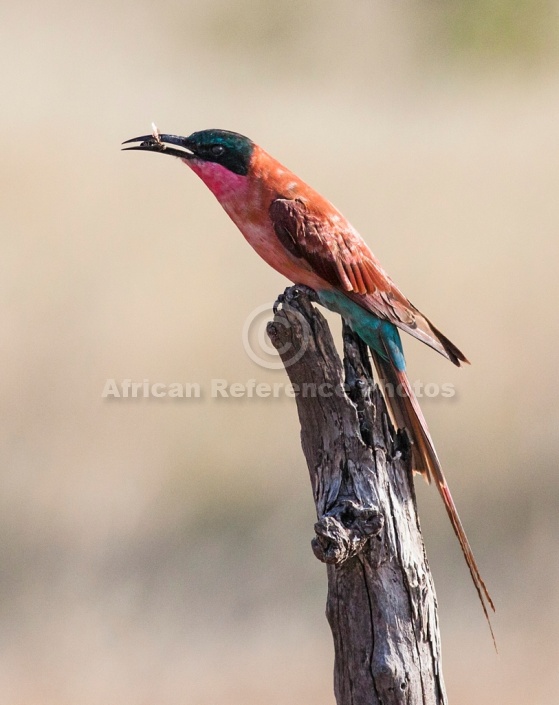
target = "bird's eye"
x: 217, y: 150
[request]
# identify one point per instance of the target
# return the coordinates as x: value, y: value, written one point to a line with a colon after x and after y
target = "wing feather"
x: 338, y: 254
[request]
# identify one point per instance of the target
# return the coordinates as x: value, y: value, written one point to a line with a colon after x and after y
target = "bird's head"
x: 220, y: 157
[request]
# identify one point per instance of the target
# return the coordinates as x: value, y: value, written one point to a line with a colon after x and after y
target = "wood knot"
x: 343, y: 532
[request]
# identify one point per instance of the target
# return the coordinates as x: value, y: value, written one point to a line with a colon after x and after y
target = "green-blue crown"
x: 230, y: 149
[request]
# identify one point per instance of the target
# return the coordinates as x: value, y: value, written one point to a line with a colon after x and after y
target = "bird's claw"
x: 292, y: 293
x: 278, y: 302
x: 306, y: 290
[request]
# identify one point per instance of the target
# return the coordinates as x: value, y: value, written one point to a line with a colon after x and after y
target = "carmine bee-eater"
x: 302, y: 236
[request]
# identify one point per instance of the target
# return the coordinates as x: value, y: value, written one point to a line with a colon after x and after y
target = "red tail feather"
x: 407, y: 413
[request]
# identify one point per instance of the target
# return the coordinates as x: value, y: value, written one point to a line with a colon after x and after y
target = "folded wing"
x: 338, y: 254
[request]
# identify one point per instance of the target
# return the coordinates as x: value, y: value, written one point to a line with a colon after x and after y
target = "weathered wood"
x: 381, y: 600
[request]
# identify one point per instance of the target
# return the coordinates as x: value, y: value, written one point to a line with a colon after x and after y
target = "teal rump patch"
x: 382, y: 336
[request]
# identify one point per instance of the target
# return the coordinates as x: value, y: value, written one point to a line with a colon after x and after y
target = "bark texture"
x: 381, y: 604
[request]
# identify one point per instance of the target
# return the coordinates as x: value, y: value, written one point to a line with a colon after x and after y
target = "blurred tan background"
x: 158, y: 551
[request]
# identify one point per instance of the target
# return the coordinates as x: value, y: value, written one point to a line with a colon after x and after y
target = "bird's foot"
x: 306, y: 290
x: 292, y: 293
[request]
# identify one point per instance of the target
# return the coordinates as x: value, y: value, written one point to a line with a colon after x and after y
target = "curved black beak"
x: 158, y: 143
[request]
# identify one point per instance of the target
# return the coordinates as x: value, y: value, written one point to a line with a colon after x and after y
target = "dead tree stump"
x: 381, y: 603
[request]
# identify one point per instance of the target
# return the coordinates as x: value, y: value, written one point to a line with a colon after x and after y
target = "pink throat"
x: 221, y: 182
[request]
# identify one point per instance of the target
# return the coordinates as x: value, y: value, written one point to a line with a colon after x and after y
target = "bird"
x: 304, y: 237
